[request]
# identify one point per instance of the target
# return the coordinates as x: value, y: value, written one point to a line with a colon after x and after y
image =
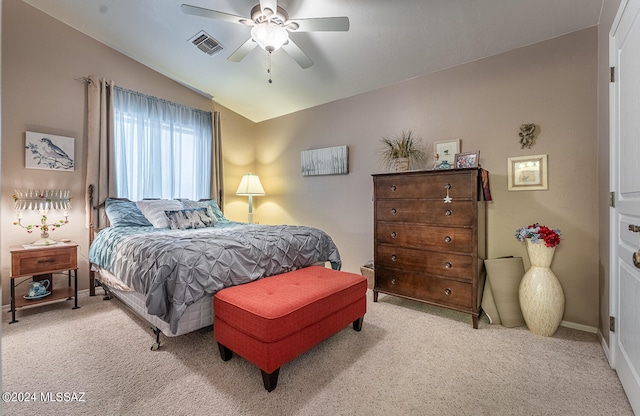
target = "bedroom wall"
x: 551, y: 84
x: 41, y: 60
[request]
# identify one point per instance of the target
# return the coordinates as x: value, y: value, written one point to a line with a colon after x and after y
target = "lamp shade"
x: 45, y: 199
x: 250, y: 185
x: 269, y: 36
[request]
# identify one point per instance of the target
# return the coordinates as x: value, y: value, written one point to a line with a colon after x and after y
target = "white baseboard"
x: 579, y: 327
x: 605, y: 348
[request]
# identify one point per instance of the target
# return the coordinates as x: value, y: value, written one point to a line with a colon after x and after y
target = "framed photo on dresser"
x: 467, y: 160
x: 446, y: 150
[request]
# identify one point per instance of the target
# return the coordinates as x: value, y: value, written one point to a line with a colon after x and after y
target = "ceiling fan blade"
x: 212, y: 14
x: 272, y: 5
x: 321, y: 24
x: 244, y: 49
x: 296, y: 53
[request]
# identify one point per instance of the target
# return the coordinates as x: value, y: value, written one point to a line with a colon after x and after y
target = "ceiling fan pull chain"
x: 269, y: 69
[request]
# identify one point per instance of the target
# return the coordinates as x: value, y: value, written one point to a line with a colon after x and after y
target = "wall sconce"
x: 42, y: 201
x: 249, y: 186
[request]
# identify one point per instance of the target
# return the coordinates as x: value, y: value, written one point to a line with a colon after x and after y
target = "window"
x: 162, y: 149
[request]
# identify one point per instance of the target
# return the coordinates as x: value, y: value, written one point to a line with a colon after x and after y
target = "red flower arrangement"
x: 537, y: 232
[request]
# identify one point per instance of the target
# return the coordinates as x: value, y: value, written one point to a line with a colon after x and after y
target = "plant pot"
x: 400, y: 164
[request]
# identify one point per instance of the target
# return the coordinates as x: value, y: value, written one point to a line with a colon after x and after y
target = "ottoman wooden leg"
x: 270, y: 380
x: 357, y: 324
x: 225, y: 353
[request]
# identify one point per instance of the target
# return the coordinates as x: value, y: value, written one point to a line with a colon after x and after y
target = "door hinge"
x: 612, y: 323
x: 612, y: 199
x: 612, y: 74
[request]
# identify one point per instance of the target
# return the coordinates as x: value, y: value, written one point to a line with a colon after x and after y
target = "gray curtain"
x: 217, y: 183
x: 100, y: 149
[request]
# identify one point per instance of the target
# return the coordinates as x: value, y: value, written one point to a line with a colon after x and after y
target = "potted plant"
x: 401, y: 151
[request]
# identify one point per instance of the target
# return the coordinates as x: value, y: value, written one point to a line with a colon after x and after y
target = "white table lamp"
x: 249, y: 186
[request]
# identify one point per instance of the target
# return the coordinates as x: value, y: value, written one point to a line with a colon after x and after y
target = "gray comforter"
x: 175, y: 268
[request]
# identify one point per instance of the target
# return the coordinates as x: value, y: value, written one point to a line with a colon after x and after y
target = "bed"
x: 168, y: 275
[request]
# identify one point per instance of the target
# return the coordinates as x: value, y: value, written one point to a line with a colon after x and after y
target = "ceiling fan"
x: 270, y: 27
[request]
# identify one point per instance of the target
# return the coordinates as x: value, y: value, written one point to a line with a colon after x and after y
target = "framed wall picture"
x: 527, y: 173
x: 467, y: 160
x: 446, y: 150
x: 48, y: 151
x: 327, y: 161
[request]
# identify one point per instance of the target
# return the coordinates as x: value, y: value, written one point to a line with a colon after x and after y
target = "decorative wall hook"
x: 527, y: 135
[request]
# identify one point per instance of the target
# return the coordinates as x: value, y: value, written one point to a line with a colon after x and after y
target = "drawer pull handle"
x: 393, y: 234
x: 447, y: 239
x: 394, y: 257
x: 448, y: 265
x: 447, y: 291
x: 45, y: 261
x: 634, y: 228
x: 447, y: 186
x: 394, y: 281
x: 448, y: 213
x: 393, y: 211
x: 393, y: 188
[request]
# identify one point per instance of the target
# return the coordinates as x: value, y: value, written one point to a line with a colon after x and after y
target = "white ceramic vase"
x: 541, y: 295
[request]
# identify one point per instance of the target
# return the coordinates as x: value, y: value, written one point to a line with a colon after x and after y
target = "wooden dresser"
x: 430, y: 239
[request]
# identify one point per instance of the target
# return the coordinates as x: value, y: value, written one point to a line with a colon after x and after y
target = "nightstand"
x: 41, y: 263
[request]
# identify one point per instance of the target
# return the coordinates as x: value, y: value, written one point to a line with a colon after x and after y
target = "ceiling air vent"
x: 206, y: 43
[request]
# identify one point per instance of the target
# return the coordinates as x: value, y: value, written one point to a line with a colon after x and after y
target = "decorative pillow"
x: 123, y: 213
x: 189, y: 218
x: 213, y: 210
x: 153, y: 210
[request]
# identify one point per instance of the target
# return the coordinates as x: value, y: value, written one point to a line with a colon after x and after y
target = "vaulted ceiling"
x: 387, y: 42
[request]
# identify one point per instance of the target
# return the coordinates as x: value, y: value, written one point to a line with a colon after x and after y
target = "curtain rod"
x: 86, y: 80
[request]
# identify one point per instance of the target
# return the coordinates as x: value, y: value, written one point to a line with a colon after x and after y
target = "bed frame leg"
x: 107, y: 294
x: 156, y: 345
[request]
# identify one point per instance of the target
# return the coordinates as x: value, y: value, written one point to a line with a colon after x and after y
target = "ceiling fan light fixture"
x: 269, y: 36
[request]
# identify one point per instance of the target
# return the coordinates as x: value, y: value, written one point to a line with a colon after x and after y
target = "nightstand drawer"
x: 29, y: 262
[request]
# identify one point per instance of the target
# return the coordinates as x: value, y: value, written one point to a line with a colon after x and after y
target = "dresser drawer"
x: 445, y: 292
x: 444, y: 264
x: 31, y: 262
x: 462, y: 185
x: 459, y: 213
x: 459, y: 240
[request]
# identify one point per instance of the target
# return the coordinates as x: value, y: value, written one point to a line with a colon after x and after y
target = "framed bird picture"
x: 48, y: 151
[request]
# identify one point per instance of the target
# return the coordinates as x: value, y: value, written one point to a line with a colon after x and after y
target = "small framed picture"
x: 467, y: 160
x: 445, y: 151
x: 527, y: 173
x: 48, y: 151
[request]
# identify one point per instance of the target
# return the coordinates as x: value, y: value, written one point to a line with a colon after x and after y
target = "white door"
x: 625, y: 182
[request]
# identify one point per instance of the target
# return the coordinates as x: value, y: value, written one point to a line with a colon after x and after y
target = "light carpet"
x: 409, y: 359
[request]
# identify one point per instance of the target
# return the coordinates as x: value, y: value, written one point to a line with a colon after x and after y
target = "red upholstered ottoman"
x: 273, y: 320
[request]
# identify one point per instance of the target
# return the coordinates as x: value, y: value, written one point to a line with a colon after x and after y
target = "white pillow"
x: 153, y: 210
